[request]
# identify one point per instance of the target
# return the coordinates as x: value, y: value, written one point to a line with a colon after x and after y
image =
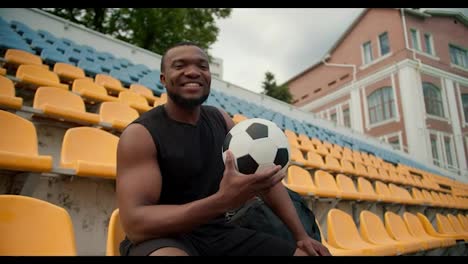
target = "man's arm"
x: 139, y: 185
x: 277, y: 198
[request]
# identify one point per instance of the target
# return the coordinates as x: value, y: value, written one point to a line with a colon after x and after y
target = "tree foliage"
x: 154, y: 29
x: 270, y: 88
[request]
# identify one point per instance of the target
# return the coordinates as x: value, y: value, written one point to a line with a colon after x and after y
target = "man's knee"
x: 169, y: 251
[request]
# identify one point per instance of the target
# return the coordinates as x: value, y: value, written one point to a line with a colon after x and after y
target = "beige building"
x: 400, y: 75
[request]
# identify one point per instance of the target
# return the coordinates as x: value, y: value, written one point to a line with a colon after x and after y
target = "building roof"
x: 416, y: 12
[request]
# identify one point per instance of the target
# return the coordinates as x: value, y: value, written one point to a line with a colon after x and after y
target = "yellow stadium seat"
x: 428, y: 197
x: 431, y: 230
x: 322, y: 150
x: 64, y: 105
x: 143, y: 91
x: 306, y: 145
x: 290, y: 133
x: 90, y: 152
x: 19, y: 57
x: 418, y: 196
x: 456, y: 225
x: 32, y: 227
x: 237, y: 118
x: 292, y: 141
x: 135, y: 101
x: 8, y: 98
x: 34, y: 75
x: 401, y: 193
x: 416, y: 228
x: 437, y: 200
x: 300, y: 181
x: 67, y: 72
x: 397, y: 229
x: 365, y: 187
x: 463, y: 221
x: 115, y: 234
x: 303, y: 137
x: 117, y: 114
x: 361, y: 170
x: 332, y: 164
x: 383, y: 190
x: 161, y: 100
x: 373, y: 231
x: 19, y: 145
x: 91, y: 92
x: 347, y: 167
x: 314, y: 160
x: 335, y: 153
x: 343, y: 233
x: 445, y: 226
x: 334, y: 251
x: 112, y: 85
x: 348, y: 190
x: 326, y: 185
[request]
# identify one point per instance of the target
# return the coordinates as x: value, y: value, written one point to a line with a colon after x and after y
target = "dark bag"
x: 258, y: 216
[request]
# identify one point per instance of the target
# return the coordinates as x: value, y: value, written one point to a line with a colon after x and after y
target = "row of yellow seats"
x: 396, y: 235
x: 324, y: 185
x: 61, y: 104
x: 86, y: 151
x: 101, y: 89
x: 50, y: 232
x: 335, y: 165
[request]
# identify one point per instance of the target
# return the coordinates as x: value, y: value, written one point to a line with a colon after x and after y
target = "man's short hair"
x: 183, y: 43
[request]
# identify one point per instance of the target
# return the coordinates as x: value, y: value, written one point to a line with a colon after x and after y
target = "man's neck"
x: 183, y: 115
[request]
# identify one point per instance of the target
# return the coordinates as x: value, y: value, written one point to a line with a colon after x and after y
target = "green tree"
x: 270, y: 88
x: 154, y: 29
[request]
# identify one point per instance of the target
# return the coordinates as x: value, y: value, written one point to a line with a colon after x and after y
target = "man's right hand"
x: 237, y: 188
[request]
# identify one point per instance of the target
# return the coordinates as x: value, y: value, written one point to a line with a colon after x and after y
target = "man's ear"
x: 162, y: 79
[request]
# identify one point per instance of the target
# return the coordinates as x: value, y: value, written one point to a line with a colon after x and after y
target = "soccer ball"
x: 257, y: 144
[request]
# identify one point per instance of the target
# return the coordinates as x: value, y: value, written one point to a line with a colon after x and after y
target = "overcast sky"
x: 284, y: 41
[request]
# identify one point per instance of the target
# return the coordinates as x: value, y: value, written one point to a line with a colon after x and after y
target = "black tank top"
x: 189, y: 156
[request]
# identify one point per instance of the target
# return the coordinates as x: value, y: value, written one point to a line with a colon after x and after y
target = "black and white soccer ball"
x: 257, y: 144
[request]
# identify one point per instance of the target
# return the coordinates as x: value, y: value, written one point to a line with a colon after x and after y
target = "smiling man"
x: 173, y: 189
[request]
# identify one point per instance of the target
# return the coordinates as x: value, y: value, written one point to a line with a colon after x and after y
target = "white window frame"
x: 396, y: 118
x: 440, y: 137
x: 379, y: 46
x: 363, y: 53
x: 416, y: 47
x: 460, y: 101
x: 398, y: 134
x: 443, y: 95
x: 431, y: 42
x: 453, y: 65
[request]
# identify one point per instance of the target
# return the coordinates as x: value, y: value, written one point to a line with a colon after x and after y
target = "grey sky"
x: 284, y: 41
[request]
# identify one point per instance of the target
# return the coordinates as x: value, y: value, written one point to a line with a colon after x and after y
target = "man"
x: 173, y: 189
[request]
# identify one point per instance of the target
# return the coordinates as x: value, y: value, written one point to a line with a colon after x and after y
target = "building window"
x: 435, y: 152
x: 433, y: 99
x: 458, y: 56
x: 333, y: 118
x: 394, y: 142
x: 367, y: 49
x: 465, y: 106
x: 381, y: 105
x: 428, y: 42
x: 384, y: 45
x: 449, y: 151
x: 415, y: 39
x: 346, y: 118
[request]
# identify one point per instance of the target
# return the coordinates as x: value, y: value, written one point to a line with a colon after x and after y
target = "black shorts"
x: 217, y: 238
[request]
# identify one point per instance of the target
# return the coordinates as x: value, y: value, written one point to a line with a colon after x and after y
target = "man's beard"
x: 187, y: 103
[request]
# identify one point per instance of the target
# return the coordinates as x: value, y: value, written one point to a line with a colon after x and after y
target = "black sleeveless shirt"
x: 189, y: 156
